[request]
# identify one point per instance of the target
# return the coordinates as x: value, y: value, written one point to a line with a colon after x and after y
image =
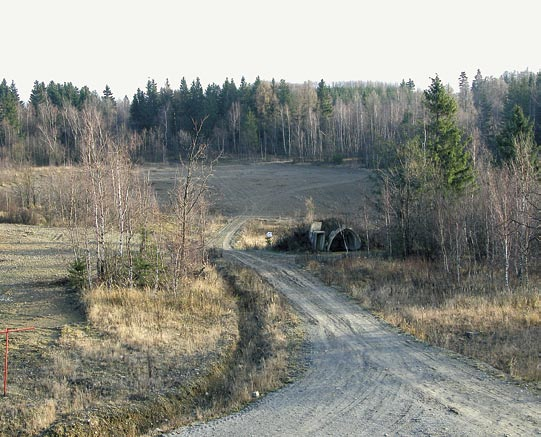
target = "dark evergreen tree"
x: 244, y: 93
x: 249, y: 135
x: 464, y: 93
x: 181, y: 107
x: 211, y: 108
x: 284, y: 93
x: 518, y: 127
x: 325, y: 104
x: 229, y: 94
x: 108, y: 94
x: 38, y: 94
x: 137, y: 110
x: 9, y: 103
x: 410, y: 84
x: 196, y: 110
x: 487, y: 102
x: 152, y: 104
x: 444, y: 139
x: 85, y: 95
x: 523, y: 91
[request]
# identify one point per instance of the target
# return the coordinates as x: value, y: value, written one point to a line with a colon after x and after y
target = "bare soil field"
x: 33, y: 262
x: 279, y: 189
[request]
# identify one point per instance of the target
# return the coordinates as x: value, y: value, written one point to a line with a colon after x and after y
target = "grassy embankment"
x: 254, y: 358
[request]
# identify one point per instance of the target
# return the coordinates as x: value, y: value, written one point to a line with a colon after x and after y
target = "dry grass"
x: 146, y: 319
x: 252, y: 235
x: 269, y: 344
x: 149, y: 335
x: 146, y: 360
x: 474, y: 318
x: 137, y: 346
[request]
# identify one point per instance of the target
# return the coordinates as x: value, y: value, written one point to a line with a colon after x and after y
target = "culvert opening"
x: 344, y: 240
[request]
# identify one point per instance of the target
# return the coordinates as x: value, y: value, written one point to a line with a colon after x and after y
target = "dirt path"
x: 366, y: 378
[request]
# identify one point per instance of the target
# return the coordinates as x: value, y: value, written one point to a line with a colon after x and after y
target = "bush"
x: 22, y: 216
x: 297, y: 239
x: 77, y: 273
x: 337, y: 159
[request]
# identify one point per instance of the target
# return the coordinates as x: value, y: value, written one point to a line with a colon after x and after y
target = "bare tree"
x: 48, y: 127
x: 189, y: 198
x: 234, y: 123
x: 500, y: 188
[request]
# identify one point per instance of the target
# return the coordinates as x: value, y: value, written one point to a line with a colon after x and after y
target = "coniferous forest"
x: 265, y: 119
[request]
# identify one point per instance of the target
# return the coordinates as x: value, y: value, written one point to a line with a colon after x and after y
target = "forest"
x: 458, y: 170
x: 267, y: 118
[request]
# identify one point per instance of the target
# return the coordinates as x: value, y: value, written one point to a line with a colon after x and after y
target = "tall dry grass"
x: 475, y: 317
x: 193, y: 318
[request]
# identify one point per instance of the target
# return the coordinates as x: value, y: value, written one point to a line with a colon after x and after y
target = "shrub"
x: 297, y: 239
x: 337, y: 159
x: 77, y: 273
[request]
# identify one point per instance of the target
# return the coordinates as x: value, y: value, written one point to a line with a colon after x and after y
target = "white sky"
x: 124, y: 42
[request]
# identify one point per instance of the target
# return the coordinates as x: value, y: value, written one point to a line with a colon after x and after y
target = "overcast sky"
x: 123, y: 43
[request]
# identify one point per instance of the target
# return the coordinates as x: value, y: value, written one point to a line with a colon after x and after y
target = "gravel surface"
x: 366, y: 378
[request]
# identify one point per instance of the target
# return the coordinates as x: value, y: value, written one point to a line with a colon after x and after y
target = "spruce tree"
x: 324, y: 99
x: 517, y: 127
x: 108, y: 94
x: 444, y: 138
x: 9, y: 103
x: 38, y: 94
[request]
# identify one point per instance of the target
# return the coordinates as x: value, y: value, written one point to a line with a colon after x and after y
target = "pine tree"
x: 9, y: 101
x: 410, y: 84
x: 108, y: 94
x: 324, y: 99
x: 518, y: 127
x: 444, y: 138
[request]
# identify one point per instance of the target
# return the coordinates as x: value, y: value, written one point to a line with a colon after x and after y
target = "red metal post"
x: 6, y: 363
x: 7, y: 331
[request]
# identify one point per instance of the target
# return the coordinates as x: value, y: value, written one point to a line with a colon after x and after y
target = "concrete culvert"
x: 343, y: 239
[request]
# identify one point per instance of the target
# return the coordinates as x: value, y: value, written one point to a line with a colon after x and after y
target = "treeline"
x: 266, y: 118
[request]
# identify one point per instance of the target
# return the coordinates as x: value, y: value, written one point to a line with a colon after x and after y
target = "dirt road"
x: 366, y: 378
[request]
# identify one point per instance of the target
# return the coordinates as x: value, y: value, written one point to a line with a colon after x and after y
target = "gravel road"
x: 366, y: 378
